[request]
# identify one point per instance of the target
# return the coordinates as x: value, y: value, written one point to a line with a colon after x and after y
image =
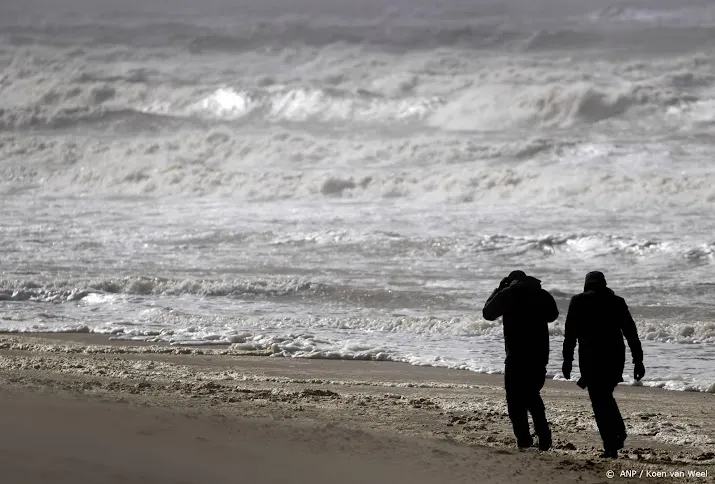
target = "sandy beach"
x: 250, y: 242
x: 79, y: 408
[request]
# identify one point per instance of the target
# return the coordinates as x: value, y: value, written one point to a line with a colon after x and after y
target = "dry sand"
x: 80, y: 409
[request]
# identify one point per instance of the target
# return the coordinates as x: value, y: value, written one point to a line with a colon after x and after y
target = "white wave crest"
x: 96, y: 291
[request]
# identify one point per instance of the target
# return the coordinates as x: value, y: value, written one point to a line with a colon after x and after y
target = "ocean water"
x: 351, y: 179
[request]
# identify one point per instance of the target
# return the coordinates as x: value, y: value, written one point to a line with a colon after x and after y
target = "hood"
x: 530, y: 281
x: 598, y: 289
x: 595, y: 281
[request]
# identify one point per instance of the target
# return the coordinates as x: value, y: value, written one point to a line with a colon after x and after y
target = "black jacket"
x: 598, y: 320
x: 526, y: 309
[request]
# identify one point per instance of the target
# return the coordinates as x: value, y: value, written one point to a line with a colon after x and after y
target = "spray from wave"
x: 480, y: 108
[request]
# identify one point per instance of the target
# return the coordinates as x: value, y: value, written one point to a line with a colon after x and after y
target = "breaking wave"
x: 399, y: 339
x: 486, y: 107
x: 275, y: 289
x: 582, y: 246
x: 67, y: 291
x: 468, y: 181
x: 188, y: 326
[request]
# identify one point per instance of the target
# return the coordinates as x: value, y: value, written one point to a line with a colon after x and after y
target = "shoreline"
x: 217, y: 349
x: 670, y: 431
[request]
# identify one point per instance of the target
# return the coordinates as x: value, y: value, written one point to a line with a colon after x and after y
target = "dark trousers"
x: 523, y: 387
x: 608, y: 416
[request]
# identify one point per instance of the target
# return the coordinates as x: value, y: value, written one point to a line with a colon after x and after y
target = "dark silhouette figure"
x: 526, y: 309
x: 598, y: 320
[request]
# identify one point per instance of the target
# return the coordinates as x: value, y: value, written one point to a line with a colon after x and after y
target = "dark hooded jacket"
x: 526, y: 309
x: 598, y: 320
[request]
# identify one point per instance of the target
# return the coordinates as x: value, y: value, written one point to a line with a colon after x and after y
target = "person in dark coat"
x: 526, y: 309
x: 597, y: 320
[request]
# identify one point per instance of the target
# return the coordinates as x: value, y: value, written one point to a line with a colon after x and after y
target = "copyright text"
x: 656, y: 474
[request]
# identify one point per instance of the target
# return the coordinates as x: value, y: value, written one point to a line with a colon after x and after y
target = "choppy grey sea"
x: 351, y: 179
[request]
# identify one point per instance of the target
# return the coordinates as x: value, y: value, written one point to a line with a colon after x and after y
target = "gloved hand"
x: 566, y: 369
x: 504, y: 283
x: 638, y: 370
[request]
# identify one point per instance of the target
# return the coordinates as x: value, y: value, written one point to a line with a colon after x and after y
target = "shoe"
x: 620, y: 441
x: 545, y: 442
x: 609, y: 454
x: 524, y: 443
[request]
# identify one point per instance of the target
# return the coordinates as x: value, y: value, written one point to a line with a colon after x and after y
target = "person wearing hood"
x: 598, y: 320
x: 526, y: 309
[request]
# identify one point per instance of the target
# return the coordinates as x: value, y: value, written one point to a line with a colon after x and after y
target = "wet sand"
x: 79, y: 408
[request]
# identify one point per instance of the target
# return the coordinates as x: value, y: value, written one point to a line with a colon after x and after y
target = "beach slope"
x: 78, y: 408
